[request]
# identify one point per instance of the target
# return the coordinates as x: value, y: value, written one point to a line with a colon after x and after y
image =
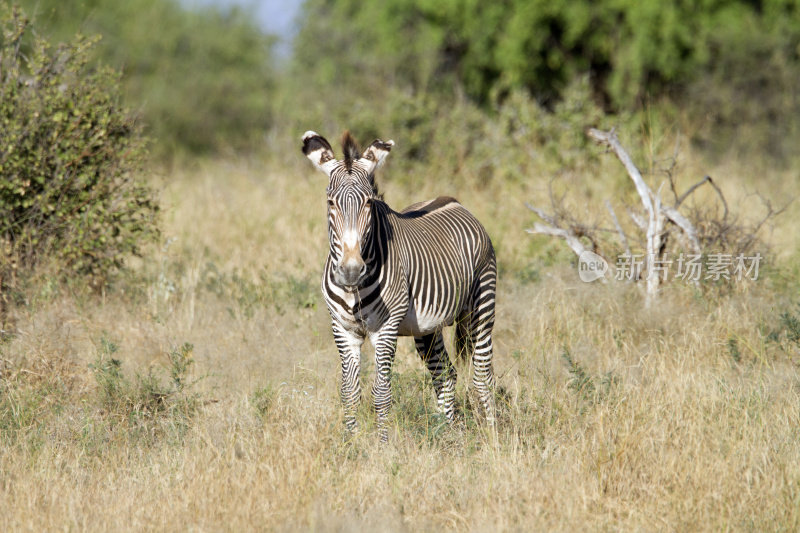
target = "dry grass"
x: 681, y: 418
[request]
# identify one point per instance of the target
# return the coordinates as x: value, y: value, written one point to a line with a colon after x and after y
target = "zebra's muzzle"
x: 350, y: 272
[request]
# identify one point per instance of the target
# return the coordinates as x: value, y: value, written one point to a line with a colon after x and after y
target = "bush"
x: 72, y: 191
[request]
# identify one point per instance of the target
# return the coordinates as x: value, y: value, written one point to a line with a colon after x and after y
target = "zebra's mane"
x: 352, y: 153
x: 350, y: 149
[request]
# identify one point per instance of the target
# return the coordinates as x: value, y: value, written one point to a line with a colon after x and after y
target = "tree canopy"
x: 202, y: 78
x: 630, y: 48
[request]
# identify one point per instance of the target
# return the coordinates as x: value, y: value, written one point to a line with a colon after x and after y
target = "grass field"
x: 684, y: 417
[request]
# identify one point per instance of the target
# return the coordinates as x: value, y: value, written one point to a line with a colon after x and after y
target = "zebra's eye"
x: 330, y: 203
x: 368, y: 203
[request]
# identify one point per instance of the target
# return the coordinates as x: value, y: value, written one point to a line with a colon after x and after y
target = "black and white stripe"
x: 407, y: 273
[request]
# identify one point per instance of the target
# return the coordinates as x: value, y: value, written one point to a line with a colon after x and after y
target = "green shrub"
x: 71, y: 192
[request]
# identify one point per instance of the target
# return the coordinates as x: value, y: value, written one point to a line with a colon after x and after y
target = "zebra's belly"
x: 422, y: 322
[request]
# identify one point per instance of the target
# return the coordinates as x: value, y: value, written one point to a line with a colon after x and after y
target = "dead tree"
x: 655, y: 223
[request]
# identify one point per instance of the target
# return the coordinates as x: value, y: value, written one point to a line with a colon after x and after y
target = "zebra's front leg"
x: 349, y: 345
x: 432, y: 351
x: 385, y: 347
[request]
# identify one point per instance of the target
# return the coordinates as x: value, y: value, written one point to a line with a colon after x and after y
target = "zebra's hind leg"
x: 480, y: 328
x: 432, y: 351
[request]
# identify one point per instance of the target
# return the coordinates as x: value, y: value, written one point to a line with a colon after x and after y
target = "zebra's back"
x: 443, y: 250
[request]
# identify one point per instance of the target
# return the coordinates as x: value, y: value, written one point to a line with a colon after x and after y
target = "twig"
x: 771, y: 213
x: 621, y: 233
x: 637, y: 219
x: 691, y: 189
x: 721, y: 197
x: 544, y: 216
x: 671, y: 170
x: 571, y: 239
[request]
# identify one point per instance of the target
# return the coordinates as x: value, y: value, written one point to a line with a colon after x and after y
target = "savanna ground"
x: 612, y: 417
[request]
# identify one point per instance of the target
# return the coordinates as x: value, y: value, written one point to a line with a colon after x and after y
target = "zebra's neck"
x: 371, y: 248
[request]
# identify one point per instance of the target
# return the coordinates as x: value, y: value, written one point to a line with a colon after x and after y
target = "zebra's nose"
x: 352, y: 271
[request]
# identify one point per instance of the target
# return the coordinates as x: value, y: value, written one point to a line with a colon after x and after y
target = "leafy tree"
x: 202, y: 79
x: 630, y: 48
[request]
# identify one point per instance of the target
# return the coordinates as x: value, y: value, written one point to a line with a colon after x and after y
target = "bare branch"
x: 721, y: 197
x: 674, y: 163
x: 571, y: 239
x: 622, y: 237
x: 682, y: 222
x: 691, y: 189
x: 652, y: 204
x: 544, y: 216
x: 637, y: 219
x: 771, y: 213
x: 610, y: 139
x: 655, y: 230
x: 553, y: 228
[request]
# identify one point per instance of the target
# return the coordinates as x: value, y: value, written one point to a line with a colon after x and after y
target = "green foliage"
x: 70, y: 159
x: 202, y: 79
x: 788, y: 330
x: 588, y: 388
x: 731, y: 66
x: 748, y: 91
x: 733, y: 349
x: 277, y: 290
x: 630, y: 47
x: 580, y: 381
x: 263, y: 400
x: 180, y: 360
x: 441, y: 136
x: 108, y: 373
x: 142, y: 404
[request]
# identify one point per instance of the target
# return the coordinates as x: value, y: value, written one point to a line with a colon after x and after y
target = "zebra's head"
x: 351, y: 192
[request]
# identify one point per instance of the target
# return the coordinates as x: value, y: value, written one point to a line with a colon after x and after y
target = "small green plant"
x: 791, y: 325
x: 580, y: 381
x: 588, y: 388
x: 143, y: 404
x: 788, y: 328
x: 72, y: 193
x: 733, y: 349
x: 180, y: 361
x: 108, y: 374
x: 262, y: 400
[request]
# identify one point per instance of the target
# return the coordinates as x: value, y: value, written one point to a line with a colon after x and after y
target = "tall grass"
x: 611, y: 417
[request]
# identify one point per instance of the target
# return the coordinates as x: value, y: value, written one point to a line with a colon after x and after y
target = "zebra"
x: 407, y: 273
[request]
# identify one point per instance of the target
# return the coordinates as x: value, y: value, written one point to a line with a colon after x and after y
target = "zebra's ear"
x: 319, y: 151
x: 376, y: 153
